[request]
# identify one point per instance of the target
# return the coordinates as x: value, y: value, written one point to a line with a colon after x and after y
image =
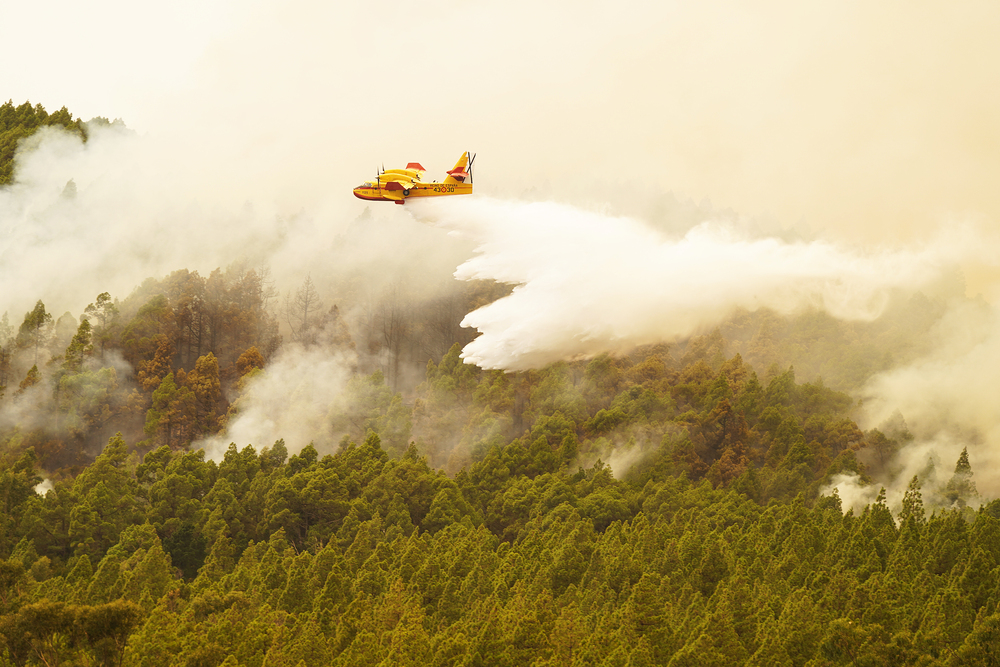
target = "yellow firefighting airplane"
x: 399, y: 184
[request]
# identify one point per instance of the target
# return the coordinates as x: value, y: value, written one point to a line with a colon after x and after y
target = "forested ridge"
x: 712, y: 547
x: 19, y: 122
x: 660, y: 507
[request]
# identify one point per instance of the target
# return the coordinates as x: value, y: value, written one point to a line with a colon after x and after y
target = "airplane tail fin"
x: 462, y: 169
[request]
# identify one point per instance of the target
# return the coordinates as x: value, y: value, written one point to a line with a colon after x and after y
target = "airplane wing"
x: 393, y: 190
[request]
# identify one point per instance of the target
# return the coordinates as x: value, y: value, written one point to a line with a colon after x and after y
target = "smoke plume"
x: 588, y: 283
x: 948, y: 400
x: 290, y: 400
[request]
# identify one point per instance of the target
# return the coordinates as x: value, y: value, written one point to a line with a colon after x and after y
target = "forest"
x: 670, y: 506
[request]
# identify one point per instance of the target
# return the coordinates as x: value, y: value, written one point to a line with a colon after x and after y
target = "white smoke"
x: 35, y: 407
x: 588, y: 283
x: 130, y: 214
x: 932, y: 460
x: 948, y: 398
x: 289, y: 400
x: 44, y: 486
x: 136, y: 210
x: 854, y: 494
x: 955, y: 385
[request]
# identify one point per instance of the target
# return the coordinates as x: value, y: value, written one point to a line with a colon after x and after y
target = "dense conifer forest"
x: 670, y: 506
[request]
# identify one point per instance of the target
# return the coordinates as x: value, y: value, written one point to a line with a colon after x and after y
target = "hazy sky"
x: 875, y: 120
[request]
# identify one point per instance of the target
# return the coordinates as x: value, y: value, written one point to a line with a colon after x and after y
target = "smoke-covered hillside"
x: 659, y: 416
x: 702, y: 374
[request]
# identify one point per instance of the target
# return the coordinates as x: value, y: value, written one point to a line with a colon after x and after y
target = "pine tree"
x: 303, y: 312
x: 981, y: 647
x: 961, y: 490
x: 204, y: 383
x: 79, y: 348
x: 36, y: 328
x: 105, y: 312
x: 913, y: 504
x: 169, y: 418
x: 30, y: 380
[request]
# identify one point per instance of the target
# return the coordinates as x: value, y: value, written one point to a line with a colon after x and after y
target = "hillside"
x: 661, y: 507
x: 208, y: 471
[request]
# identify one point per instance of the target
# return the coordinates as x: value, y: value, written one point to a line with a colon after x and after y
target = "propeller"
x: 472, y: 158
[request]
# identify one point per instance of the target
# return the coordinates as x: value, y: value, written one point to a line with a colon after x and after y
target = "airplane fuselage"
x: 381, y: 191
x: 398, y: 185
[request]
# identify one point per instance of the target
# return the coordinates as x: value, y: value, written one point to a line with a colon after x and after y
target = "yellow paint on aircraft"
x: 400, y: 184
